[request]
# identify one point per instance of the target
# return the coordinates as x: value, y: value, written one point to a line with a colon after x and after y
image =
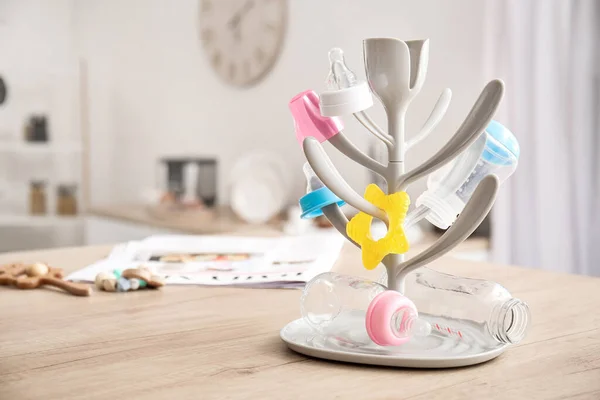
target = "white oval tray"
x: 437, y: 350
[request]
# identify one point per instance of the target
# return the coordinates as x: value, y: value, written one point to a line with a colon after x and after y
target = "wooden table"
x: 223, y: 343
x: 200, y: 222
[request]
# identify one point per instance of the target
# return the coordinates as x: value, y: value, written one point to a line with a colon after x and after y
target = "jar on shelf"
x: 206, y: 187
x: 36, y: 129
x: 175, y: 177
x: 37, y: 198
x: 66, y: 203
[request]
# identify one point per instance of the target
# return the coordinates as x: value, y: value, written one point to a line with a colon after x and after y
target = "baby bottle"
x: 468, y: 309
x: 496, y: 152
x: 317, y: 195
x: 359, y: 311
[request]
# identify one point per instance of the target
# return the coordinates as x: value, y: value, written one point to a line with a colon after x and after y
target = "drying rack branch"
x: 346, y: 147
x: 372, y: 127
x: 329, y: 175
x: 474, y: 124
x: 476, y: 209
x: 339, y: 221
x: 436, y: 115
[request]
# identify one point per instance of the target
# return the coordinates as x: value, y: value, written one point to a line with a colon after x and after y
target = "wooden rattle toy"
x: 128, y: 280
x: 32, y: 276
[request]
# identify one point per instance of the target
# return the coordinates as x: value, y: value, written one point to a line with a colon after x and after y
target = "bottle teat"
x: 345, y: 93
x: 312, y: 180
x: 340, y: 76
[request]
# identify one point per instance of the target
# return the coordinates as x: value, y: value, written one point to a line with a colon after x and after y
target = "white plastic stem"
x: 396, y: 126
x: 394, y: 171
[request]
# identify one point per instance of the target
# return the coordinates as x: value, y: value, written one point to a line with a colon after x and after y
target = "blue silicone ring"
x: 312, y: 203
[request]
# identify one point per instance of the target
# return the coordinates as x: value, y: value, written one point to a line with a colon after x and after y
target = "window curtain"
x: 547, y: 52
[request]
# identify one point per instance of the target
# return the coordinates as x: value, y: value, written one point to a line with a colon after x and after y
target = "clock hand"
x: 235, y: 20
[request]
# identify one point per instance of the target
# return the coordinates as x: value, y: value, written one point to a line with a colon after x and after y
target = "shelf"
x: 40, y: 147
x: 41, y: 221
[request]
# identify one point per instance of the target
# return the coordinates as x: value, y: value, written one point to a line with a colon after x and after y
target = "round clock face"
x: 2, y: 91
x: 242, y: 38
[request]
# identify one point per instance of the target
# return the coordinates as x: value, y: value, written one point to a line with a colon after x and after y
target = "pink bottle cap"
x: 308, y: 121
x: 379, y: 318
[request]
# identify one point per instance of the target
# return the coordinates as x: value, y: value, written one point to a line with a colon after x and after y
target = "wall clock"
x: 242, y: 38
x: 2, y: 91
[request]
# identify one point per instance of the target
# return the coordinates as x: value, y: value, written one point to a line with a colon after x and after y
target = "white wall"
x: 38, y: 64
x: 37, y: 60
x: 152, y: 92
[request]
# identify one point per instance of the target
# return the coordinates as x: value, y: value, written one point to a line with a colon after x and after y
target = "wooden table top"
x: 217, y: 343
x: 200, y: 222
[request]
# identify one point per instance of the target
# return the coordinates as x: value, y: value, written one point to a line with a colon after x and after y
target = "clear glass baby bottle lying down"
x: 332, y: 303
x: 463, y: 309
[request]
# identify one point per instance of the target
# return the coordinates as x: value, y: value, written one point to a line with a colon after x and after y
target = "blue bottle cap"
x: 503, y: 147
x: 312, y: 203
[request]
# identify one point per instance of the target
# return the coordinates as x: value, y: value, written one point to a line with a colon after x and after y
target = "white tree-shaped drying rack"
x: 396, y: 72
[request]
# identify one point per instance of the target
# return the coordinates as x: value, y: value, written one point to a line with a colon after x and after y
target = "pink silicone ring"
x: 308, y: 120
x: 380, y: 314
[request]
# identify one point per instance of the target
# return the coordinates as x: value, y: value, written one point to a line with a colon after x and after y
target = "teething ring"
x: 394, y: 242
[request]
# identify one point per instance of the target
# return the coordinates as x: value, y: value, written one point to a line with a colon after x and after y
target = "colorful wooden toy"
x: 128, y: 280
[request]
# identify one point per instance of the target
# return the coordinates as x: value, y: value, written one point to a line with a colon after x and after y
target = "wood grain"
x: 208, y: 221
x: 223, y: 343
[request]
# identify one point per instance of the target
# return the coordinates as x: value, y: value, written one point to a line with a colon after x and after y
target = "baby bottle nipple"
x: 340, y: 76
x: 345, y: 93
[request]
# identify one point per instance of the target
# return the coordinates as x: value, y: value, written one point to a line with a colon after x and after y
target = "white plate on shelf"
x: 438, y: 350
x: 259, y: 187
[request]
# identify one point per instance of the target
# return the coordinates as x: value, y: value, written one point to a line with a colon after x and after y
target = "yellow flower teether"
x: 359, y: 228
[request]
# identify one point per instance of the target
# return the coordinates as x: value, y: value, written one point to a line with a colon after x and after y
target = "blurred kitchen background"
x: 124, y: 118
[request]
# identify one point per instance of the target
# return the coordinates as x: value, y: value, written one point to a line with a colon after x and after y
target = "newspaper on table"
x: 274, y: 262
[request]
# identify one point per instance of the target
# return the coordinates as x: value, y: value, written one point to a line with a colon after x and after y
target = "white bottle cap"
x: 346, y: 101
